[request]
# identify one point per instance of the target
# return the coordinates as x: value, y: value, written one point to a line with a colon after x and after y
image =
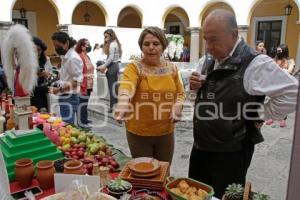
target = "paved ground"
x: 269, y: 168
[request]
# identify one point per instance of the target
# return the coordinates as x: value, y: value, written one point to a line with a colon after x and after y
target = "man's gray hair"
x: 225, y: 16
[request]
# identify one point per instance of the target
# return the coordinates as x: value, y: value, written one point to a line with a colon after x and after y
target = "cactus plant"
x: 234, y: 192
x: 261, y: 196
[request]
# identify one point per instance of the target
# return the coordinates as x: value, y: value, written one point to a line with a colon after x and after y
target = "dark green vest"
x: 224, y: 112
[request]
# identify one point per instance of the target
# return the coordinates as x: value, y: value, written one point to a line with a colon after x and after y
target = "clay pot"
x: 45, y: 174
x: 24, y: 172
x: 73, y: 167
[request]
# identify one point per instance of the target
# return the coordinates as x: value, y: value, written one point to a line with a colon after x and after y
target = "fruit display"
x: 86, y: 147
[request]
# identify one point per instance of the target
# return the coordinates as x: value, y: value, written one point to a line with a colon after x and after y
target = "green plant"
x: 261, y: 196
x: 234, y: 192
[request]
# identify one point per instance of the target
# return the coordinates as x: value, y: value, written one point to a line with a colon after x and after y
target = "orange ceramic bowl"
x: 143, y: 165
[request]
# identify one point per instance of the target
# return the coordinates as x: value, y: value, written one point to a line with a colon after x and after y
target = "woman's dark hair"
x: 63, y: 37
x: 258, y: 42
x: 79, y: 44
x: 285, y: 50
x: 42, y: 58
x: 95, y: 46
x: 113, y: 37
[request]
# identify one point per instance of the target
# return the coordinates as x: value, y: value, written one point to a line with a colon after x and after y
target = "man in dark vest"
x: 227, y: 117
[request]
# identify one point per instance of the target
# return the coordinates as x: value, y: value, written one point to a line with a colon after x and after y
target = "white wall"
x: 128, y: 37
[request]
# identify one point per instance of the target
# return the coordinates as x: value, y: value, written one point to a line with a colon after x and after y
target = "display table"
x: 14, y: 187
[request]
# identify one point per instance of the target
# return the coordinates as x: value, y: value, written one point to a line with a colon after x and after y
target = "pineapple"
x: 261, y: 196
x: 234, y: 192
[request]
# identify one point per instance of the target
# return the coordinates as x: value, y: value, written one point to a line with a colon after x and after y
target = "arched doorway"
x: 41, y: 19
x: 88, y: 13
x: 269, y: 23
x: 176, y: 23
x: 130, y: 18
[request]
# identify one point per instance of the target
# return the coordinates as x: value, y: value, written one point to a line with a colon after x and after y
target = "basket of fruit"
x: 187, y: 188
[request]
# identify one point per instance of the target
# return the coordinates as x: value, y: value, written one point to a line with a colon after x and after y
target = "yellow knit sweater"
x: 153, y: 91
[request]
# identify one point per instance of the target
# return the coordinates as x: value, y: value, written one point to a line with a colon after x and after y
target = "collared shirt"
x: 71, y: 70
x: 264, y: 77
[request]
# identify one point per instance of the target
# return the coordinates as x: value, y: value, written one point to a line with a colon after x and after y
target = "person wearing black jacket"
x: 39, y: 97
x: 230, y: 106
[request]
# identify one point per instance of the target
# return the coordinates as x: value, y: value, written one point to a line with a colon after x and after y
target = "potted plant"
x: 234, y: 192
x: 261, y: 196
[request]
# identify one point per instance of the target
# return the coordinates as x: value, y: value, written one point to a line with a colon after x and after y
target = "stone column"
x: 298, y: 48
x: 194, y: 46
x: 4, y: 26
x: 243, y: 31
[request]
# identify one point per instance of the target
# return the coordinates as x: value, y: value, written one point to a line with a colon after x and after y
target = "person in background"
x: 156, y: 85
x: 39, y: 98
x: 260, y: 47
x: 70, y: 77
x: 227, y: 120
x: 287, y: 64
x: 83, y: 47
x: 112, y: 48
x: 3, y: 82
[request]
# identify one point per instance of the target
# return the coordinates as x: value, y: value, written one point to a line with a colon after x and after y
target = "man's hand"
x: 102, y: 69
x: 195, y: 82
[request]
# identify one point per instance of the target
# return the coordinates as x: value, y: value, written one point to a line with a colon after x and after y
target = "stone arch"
x: 50, y: 1
x: 130, y: 16
x: 92, y: 8
x: 209, y: 6
x: 177, y: 11
x: 42, y: 19
x: 273, y: 26
x: 255, y: 3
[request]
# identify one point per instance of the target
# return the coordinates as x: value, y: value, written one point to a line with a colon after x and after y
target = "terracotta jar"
x: 24, y: 172
x: 45, y: 173
x: 73, y: 167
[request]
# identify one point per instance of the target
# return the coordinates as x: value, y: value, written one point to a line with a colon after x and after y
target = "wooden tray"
x: 156, y: 182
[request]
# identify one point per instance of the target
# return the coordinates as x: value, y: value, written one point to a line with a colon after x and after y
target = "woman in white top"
x: 285, y: 63
x: 112, y: 48
x: 71, y: 76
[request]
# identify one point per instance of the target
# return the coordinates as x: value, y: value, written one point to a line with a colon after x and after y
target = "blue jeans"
x: 68, y: 107
x: 82, y: 114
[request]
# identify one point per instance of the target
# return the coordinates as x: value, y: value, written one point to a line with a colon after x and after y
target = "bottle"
x: 10, y: 124
x: 2, y: 122
x: 9, y: 98
x: 3, y: 106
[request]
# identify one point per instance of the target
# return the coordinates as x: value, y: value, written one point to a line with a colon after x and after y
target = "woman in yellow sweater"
x: 150, y: 99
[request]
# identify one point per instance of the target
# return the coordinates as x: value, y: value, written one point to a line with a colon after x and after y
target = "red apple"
x: 80, y: 154
x: 104, y: 161
x: 114, y: 164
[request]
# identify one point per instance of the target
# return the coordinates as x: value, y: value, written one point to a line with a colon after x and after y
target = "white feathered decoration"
x: 19, y: 41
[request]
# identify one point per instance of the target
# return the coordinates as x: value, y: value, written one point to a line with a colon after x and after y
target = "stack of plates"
x: 144, y: 167
x: 154, y: 182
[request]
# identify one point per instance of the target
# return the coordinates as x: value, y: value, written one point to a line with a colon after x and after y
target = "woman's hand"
x: 121, y: 109
x: 176, y: 112
x: 102, y: 69
x: 120, y: 112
